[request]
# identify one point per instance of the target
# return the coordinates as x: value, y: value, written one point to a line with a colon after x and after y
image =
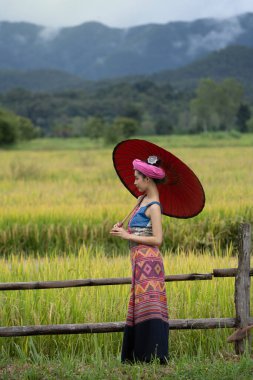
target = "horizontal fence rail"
x: 230, y: 272
x: 85, y: 328
x: 227, y: 272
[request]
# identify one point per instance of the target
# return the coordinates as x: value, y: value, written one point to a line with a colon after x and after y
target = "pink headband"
x: 148, y: 170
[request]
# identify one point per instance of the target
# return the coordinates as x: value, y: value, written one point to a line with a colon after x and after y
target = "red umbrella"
x: 181, y: 196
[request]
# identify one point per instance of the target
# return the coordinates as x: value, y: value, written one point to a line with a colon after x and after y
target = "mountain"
x: 233, y: 61
x: 94, y: 51
x: 39, y: 80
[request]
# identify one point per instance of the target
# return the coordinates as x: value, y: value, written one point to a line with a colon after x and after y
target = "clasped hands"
x: 118, y: 230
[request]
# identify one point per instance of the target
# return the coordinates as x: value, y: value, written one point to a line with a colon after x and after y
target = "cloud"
x: 117, y: 13
x: 48, y: 33
x: 216, y: 39
x: 20, y: 38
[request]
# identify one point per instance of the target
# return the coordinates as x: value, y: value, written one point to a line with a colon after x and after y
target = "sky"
x: 118, y: 13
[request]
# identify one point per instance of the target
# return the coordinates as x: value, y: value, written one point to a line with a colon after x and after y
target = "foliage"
x: 94, y: 127
x: 8, y: 128
x: 243, y: 115
x: 113, y: 134
x: 129, y: 126
x: 58, y: 114
x: 216, y: 105
x: 26, y: 129
x: 61, y: 129
x: 14, y: 128
x: 163, y: 127
x: 249, y: 125
x: 234, y: 61
x: 155, y: 108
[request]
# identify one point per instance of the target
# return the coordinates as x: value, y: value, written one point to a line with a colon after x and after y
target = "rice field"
x: 62, y: 199
x: 56, y: 209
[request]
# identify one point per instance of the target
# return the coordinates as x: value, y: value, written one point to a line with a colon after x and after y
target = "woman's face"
x: 140, y: 182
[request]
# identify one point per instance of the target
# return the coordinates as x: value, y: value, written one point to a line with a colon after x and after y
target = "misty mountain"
x: 95, y: 51
x: 40, y: 80
x: 233, y: 61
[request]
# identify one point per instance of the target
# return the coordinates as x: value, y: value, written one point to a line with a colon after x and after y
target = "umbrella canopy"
x: 181, y: 196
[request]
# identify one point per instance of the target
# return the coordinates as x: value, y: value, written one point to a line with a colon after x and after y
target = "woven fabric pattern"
x: 148, y: 295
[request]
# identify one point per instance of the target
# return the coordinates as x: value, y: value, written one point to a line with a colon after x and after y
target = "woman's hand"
x: 118, y: 224
x: 119, y: 231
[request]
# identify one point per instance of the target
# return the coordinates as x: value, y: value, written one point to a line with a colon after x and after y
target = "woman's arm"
x: 155, y: 239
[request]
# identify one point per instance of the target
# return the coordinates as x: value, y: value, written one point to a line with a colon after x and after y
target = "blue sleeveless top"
x: 140, y: 219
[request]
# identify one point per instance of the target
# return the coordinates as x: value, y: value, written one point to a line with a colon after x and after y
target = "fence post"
x: 242, y: 286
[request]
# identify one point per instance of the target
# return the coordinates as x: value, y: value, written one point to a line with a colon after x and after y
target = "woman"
x: 147, y: 329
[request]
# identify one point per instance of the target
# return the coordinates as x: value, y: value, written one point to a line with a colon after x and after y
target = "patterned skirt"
x: 147, y: 329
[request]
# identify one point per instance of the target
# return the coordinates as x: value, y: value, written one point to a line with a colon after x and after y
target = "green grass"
x: 52, y: 144
x: 225, y: 367
x: 192, y: 299
x: 207, y: 139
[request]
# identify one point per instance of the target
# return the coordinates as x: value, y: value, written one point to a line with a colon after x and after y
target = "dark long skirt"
x: 147, y: 328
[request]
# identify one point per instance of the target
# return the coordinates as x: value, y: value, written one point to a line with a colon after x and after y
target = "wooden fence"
x: 242, y: 320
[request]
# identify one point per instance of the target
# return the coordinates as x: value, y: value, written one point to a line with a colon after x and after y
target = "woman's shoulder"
x: 153, y: 208
x: 146, y: 203
x: 153, y: 202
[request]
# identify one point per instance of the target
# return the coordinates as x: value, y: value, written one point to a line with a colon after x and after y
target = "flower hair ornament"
x: 152, y: 160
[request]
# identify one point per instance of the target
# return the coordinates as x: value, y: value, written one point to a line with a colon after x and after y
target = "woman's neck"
x: 152, y: 193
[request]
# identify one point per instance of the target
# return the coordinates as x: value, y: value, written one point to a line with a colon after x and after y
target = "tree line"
x: 15, y: 128
x: 123, y: 109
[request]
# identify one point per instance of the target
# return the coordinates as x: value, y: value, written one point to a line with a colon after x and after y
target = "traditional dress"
x: 147, y: 329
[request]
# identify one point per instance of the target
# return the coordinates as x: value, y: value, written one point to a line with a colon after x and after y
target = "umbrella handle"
x: 120, y: 224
